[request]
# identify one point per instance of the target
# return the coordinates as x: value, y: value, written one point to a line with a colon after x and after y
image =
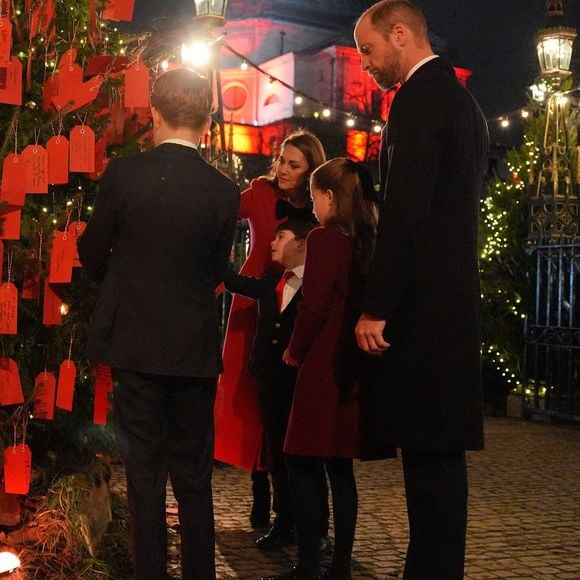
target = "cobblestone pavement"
x: 524, y: 511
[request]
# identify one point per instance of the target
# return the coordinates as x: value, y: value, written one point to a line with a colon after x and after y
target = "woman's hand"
x: 289, y: 360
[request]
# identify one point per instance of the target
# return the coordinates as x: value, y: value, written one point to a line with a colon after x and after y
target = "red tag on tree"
x: 10, y: 221
x: 1, y: 259
x: 66, y: 385
x: 8, y: 308
x: 45, y: 387
x: 50, y: 91
x: 36, y: 169
x: 57, y: 150
x: 61, y: 258
x: 119, y: 10
x: 31, y: 277
x: 103, y: 386
x: 77, y: 229
x: 11, y: 93
x: 137, y: 85
x: 70, y: 74
x: 5, y: 41
x: 82, y: 149
x: 13, y: 180
x: 17, y: 467
x: 80, y: 96
x: 51, y: 311
x: 10, y: 387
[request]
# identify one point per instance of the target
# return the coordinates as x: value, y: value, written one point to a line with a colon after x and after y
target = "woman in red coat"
x: 266, y: 203
x: 323, y: 431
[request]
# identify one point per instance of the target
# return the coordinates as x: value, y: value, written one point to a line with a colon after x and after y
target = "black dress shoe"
x: 276, y: 537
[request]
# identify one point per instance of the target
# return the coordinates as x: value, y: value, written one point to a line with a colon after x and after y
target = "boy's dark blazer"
x: 273, y: 328
x: 159, y: 240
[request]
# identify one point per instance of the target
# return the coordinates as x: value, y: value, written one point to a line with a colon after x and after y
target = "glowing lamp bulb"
x: 326, y: 113
x: 244, y: 65
x: 64, y: 309
x: 505, y: 123
x: 197, y: 54
x: 350, y: 122
x: 298, y: 100
x: 377, y: 128
x: 525, y: 113
x: 164, y: 65
x: 8, y: 562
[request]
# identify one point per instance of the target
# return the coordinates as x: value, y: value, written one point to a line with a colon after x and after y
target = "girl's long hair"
x: 354, y: 199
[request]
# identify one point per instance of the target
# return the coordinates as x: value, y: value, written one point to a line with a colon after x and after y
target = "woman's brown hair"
x: 354, y: 197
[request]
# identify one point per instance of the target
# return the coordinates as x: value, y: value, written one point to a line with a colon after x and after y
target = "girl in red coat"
x: 269, y: 201
x: 323, y: 430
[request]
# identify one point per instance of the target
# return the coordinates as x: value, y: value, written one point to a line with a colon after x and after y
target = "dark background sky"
x: 494, y: 38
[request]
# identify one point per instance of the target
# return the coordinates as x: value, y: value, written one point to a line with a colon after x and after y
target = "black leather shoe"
x: 276, y: 537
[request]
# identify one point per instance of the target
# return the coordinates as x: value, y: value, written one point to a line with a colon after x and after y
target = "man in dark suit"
x: 278, y: 296
x: 421, y: 308
x: 159, y: 240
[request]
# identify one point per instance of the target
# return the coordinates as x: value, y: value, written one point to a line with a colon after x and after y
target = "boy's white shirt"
x: 292, y: 286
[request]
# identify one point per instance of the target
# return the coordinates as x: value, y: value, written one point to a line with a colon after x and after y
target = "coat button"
x: 274, y: 341
x: 277, y: 325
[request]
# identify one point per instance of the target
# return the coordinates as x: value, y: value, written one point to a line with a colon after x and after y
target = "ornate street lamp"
x: 555, y: 43
x: 210, y: 12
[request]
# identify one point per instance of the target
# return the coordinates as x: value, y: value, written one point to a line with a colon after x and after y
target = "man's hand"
x: 289, y: 360
x: 369, y: 334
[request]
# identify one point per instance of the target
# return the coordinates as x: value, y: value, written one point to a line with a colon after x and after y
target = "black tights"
x: 304, y: 475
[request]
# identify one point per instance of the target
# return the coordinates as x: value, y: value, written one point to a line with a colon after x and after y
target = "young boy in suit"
x: 278, y: 296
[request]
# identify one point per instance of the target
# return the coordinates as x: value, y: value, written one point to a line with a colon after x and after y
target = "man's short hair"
x: 386, y: 13
x: 183, y: 98
x: 299, y: 228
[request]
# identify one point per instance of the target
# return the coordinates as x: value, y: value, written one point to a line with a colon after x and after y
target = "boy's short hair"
x: 299, y: 228
x: 183, y: 98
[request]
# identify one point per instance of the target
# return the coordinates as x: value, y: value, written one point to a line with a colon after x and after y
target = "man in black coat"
x: 421, y: 307
x: 159, y: 240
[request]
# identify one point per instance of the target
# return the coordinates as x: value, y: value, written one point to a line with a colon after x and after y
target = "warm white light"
x: 562, y: 100
x: 539, y: 92
x: 164, y: 65
x: 350, y: 122
x: 525, y: 113
x: 298, y: 100
x: 196, y: 54
x: 377, y: 128
x: 64, y: 309
x: 505, y: 123
x: 8, y: 562
x: 326, y: 113
x: 244, y: 65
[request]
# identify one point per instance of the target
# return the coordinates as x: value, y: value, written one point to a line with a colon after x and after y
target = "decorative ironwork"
x: 552, y: 363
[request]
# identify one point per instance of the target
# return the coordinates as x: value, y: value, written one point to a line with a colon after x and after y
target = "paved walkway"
x: 524, y: 511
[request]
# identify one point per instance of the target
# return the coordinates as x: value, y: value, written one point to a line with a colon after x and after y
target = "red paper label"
x: 77, y: 229
x: 31, y: 277
x: 17, y: 467
x: 82, y: 149
x: 1, y: 259
x: 119, y: 10
x: 8, y: 308
x: 66, y: 385
x: 11, y: 92
x: 36, y: 169
x: 5, y: 41
x: 10, y: 223
x: 70, y: 74
x: 13, y: 180
x: 51, y: 313
x: 80, y: 96
x: 10, y: 387
x: 50, y: 91
x: 103, y: 386
x: 57, y: 150
x: 61, y: 258
x: 137, y: 85
x: 45, y: 387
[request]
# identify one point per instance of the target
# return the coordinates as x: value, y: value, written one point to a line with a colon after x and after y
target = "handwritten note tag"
x: 11, y: 92
x: 66, y: 385
x: 51, y: 314
x: 61, y: 258
x: 10, y: 386
x: 137, y: 85
x: 45, y: 387
x: 13, y: 180
x: 10, y: 220
x: 82, y: 149
x: 57, y: 149
x: 36, y: 161
x: 8, y: 308
x: 17, y: 468
x: 5, y: 41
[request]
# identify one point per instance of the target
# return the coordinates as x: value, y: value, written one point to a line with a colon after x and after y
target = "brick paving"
x: 524, y: 511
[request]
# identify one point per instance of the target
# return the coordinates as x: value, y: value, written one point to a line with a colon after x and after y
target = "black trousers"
x: 276, y: 392
x: 304, y: 476
x: 436, y: 490
x: 164, y: 427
